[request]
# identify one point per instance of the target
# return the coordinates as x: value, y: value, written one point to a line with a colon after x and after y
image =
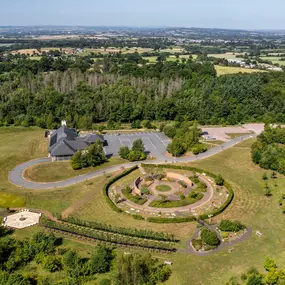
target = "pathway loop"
x: 16, y: 175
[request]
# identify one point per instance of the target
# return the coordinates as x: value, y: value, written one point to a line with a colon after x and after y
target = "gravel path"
x: 16, y: 175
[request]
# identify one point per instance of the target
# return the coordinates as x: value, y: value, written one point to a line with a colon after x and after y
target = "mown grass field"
x: 16, y: 146
x: 274, y: 59
x: 61, y: 170
x: 250, y: 206
x: 223, y: 70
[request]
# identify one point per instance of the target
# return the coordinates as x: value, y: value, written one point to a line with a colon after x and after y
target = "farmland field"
x: 222, y: 70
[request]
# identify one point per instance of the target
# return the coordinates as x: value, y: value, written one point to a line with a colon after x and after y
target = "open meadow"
x: 86, y: 200
x: 223, y: 70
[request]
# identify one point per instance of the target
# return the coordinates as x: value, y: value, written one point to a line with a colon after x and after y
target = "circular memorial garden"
x: 151, y: 192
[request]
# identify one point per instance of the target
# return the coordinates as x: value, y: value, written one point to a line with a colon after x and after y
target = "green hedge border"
x: 226, y: 184
x: 112, y: 181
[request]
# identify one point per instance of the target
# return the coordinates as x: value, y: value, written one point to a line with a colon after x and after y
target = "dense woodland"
x: 124, y: 88
x: 51, y: 261
x: 269, y: 151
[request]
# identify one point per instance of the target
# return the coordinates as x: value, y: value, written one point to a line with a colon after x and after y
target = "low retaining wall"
x: 137, y: 191
x: 180, y: 177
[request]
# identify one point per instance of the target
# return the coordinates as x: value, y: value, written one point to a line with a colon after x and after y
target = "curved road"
x: 16, y: 175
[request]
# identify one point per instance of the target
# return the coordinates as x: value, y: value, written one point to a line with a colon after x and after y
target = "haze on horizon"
x: 243, y: 14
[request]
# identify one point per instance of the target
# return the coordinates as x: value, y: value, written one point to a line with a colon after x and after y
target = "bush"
x: 197, y: 244
x: 168, y: 220
x: 231, y: 226
x: 136, y: 124
x: 182, y: 183
x: 136, y: 156
x: 209, y: 237
x: 219, y: 180
x: 138, y: 217
x: 199, y: 148
x: 52, y: 263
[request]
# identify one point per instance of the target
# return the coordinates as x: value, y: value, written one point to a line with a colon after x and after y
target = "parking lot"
x: 155, y: 142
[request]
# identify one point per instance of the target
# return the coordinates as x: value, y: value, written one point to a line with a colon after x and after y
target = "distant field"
x: 274, y: 59
x: 222, y: 55
x: 152, y: 59
x: 222, y: 70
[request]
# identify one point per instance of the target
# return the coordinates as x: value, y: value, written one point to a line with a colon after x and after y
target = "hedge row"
x: 145, y: 234
x: 112, y: 181
x: 226, y: 184
x: 170, y: 220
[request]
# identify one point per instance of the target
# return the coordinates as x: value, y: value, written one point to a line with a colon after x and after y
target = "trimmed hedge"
x: 194, y: 169
x: 169, y: 221
x: 112, y: 181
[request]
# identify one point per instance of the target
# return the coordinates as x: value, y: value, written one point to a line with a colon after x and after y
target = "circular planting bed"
x: 167, y: 193
x: 163, y: 188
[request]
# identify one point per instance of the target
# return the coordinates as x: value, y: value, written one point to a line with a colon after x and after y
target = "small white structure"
x: 22, y: 219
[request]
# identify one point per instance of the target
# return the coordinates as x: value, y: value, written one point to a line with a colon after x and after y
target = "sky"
x: 230, y: 14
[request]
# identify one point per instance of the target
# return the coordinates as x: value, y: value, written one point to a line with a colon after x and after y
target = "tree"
x: 101, y: 259
x: 209, y: 237
x: 52, y: 263
x: 147, y: 124
x: 95, y: 154
x: 138, y: 146
x: 124, y: 152
x: 135, y: 269
x: 76, y: 160
x: 269, y: 264
x: 176, y: 147
x: 219, y: 180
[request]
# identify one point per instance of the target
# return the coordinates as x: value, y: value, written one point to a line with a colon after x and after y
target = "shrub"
x: 182, y: 183
x: 182, y: 197
x: 264, y: 176
x: 209, y: 237
x: 136, y: 156
x: 197, y: 244
x: 52, y: 263
x: 267, y: 191
x: 168, y: 220
x: 136, y: 124
x: 231, y: 226
x: 219, y: 180
x: 138, y: 217
x: 159, y: 176
x: 199, y: 148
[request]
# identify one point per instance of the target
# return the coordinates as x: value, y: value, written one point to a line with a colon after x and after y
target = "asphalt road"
x: 16, y: 175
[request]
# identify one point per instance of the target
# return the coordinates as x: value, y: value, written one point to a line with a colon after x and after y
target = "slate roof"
x: 65, y: 141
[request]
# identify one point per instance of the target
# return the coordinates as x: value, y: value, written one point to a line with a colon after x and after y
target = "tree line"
x: 128, y: 92
x: 268, y: 151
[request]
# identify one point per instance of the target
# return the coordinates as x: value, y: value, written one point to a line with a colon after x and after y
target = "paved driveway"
x: 16, y: 175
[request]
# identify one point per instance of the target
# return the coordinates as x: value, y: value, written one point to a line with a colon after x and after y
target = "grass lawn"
x: 163, y: 188
x: 274, y: 59
x: 223, y: 70
x: 17, y: 145
x: 249, y: 205
x: 252, y: 208
x: 61, y: 170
